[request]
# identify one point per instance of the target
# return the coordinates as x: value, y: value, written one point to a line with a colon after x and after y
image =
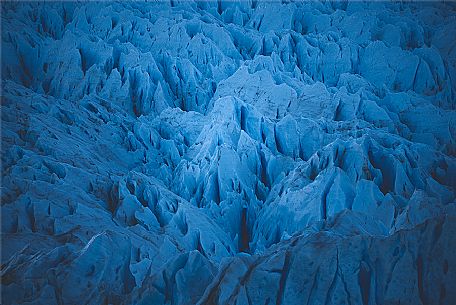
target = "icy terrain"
x: 242, y: 152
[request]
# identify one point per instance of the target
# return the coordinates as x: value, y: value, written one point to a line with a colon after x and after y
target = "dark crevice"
x: 244, y: 239
x: 364, y: 279
x: 283, y: 278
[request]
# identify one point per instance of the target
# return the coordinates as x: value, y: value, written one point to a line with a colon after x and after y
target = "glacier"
x: 229, y: 152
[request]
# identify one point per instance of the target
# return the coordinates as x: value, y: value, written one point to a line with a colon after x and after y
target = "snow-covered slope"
x: 240, y: 152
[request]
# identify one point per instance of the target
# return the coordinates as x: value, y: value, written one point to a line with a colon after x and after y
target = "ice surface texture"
x: 241, y: 152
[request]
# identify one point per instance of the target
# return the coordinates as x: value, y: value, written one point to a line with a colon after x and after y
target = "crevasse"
x: 239, y: 152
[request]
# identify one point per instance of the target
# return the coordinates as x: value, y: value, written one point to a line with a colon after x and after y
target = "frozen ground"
x: 243, y: 152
